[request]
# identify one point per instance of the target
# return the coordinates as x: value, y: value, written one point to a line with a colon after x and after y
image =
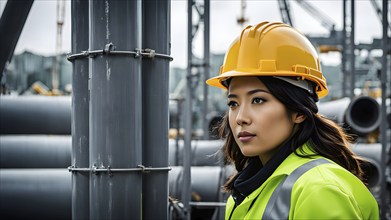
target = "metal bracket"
x: 109, y: 50
x: 94, y: 169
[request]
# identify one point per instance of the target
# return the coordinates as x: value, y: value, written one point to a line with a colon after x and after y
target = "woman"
x: 291, y: 162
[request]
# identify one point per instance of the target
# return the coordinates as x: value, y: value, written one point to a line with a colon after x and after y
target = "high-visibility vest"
x: 307, y: 188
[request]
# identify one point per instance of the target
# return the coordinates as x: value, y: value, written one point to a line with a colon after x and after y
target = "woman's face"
x: 259, y: 121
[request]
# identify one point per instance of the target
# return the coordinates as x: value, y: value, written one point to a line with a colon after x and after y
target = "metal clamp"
x: 94, y: 169
x: 109, y: 50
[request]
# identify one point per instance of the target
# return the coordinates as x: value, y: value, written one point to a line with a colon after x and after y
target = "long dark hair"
x: 324, y: 136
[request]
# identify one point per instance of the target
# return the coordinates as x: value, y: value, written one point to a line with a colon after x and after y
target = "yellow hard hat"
x: 272, y: 49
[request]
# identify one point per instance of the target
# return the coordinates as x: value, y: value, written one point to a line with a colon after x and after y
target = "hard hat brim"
x: 216, y: 81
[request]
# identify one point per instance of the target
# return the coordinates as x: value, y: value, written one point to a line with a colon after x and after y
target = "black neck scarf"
x: 255, y: 174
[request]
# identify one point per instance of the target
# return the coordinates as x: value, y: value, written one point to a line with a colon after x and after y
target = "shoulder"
x: 330, y: 175
x: 329, y: 190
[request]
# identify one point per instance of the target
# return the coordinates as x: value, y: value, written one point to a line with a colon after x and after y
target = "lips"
x: 245, y: 136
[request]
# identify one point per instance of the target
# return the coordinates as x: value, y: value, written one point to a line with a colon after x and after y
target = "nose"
x: 243, y: 118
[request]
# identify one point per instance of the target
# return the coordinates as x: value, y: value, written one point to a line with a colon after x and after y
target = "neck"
x: 268, y: 155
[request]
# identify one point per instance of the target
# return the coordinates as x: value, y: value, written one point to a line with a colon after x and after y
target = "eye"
x: 257, y: 100
x: 232, y: 104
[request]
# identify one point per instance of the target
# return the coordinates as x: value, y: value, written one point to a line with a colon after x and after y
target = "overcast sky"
x: 39, y: 33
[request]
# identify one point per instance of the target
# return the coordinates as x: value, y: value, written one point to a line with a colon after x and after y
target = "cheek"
x: 275, y: 124
x: 231, y: 120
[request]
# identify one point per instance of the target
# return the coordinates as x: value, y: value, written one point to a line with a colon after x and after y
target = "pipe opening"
x: 371, y: 173
x: 364, y: 113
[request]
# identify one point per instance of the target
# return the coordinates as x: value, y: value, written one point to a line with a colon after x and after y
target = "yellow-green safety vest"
x: 307, y: 188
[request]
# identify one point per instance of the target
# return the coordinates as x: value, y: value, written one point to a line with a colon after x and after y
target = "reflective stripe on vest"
x: 279, y: 203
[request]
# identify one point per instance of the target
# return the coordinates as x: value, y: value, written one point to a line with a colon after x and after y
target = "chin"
x: 250, y: 155
x: 249, y: 152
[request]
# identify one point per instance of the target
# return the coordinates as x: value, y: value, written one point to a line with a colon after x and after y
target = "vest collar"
x: 285, y: 168
x: 255, y: 174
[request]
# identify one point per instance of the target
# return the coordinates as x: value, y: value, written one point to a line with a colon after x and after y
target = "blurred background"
x: 37, y: 87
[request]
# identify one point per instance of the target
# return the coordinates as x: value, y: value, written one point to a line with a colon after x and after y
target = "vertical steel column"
x: 383, y: 125
x: 155, y: 78
x: 115, y: 110
x: 80, y: 111
x: 344, y: 48
x: 12, y: 20
x: 352, y: 48
x: 188, y: 112
x: 206, y: 66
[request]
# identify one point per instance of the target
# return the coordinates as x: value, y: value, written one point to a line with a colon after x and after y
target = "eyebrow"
x: 249, y: 92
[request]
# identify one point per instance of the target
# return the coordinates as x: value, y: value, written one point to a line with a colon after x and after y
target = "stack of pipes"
x: 34, y: 159
x: 33, y: 164
x: 35, y: 146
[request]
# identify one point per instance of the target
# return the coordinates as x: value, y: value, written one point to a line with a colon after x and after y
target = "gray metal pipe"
x: 155, y: 78
x: 373, y: 170
x: 35, y: 151
x: 362, y: 114
x: 206, y: 68
x: 46, y: 193
x: 205, y: 182
x: 35, y: 194
x: 344, y: 50
x: 352, y: 49
x: 188, y: 112
x: 375, y: 173
x: 204, y: 153
x: 80, y: 110
x: 54, y: 151
x: 35, y: 115
x: 383, y: 128
x: 115, y: 109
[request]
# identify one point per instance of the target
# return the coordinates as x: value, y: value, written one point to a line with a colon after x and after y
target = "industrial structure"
x: 103, y: 152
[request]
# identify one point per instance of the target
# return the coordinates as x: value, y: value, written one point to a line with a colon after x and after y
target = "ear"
x: 298, y: 118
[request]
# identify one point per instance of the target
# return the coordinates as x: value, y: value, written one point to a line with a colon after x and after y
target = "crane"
x: 378, y: 11
x: 242, y: 19
x: 326, y: 21
x: 332, y: 42
x: 60, y: 23
x: 325, y: 44
x: 285, y: 12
